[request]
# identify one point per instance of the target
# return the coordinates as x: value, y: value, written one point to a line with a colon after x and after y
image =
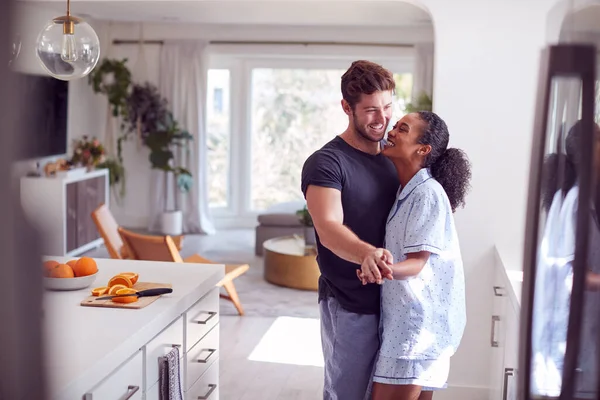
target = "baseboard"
x: 462, y: 393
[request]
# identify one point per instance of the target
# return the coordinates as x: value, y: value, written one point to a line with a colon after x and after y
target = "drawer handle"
x: 210, y: 315
x: 507, y: 372
x: 131, y: 390
x: 211, y: 388
x: 496, y: 293
x: 493, y: 340
x: 210, y: 353
x: 176, y: 346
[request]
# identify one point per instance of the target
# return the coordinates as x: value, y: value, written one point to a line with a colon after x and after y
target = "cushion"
x: 279, y: 219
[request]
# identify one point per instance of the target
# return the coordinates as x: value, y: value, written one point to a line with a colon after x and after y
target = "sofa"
x: 278, y: 220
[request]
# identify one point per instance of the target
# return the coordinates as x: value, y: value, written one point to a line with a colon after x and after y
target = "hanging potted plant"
x: 148, y: 115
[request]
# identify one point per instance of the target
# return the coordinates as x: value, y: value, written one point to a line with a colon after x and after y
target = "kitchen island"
x: 110, y: 353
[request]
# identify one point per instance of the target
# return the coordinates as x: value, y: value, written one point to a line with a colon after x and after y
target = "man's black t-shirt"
x: 368, y: 184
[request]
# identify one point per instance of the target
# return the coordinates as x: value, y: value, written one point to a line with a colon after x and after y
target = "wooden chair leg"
x: 233, y: 296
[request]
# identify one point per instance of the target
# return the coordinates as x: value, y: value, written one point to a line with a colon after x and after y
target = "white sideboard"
x: 106, y: 353
x: 61, y: 208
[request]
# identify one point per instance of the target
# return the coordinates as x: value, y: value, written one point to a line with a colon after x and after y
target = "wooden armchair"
x: 108, y: 228
x: 163, y: 248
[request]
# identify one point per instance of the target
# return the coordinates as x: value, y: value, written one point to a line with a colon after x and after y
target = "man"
x: 349, y: 189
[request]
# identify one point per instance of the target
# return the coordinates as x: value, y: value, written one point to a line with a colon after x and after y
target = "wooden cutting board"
x: 141, y: 303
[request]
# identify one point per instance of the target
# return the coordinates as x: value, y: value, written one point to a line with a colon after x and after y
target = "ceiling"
x: 328, y: 13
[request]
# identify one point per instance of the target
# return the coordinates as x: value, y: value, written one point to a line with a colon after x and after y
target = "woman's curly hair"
x: 450, y: 167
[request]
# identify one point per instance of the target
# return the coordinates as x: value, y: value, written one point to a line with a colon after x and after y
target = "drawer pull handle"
x: 498, y: 291
x: 176, y: 346
x: 211, y: 388
x: 210, y: 353
x: 493, y: 340
x: 210, y: 315
x: 507, y: 372
x: 131, y: 390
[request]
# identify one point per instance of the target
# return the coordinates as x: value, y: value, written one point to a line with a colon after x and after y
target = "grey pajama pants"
x: 350, y: 343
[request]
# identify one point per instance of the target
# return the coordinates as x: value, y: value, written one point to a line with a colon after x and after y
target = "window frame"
x: 240, y: 60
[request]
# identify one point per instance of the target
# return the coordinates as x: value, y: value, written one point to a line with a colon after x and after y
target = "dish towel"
x: 169, y: 380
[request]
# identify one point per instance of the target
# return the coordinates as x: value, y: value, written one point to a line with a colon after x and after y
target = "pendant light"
x: 67, y: 47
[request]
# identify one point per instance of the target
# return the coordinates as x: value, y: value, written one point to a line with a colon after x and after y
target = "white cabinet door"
x: 497, y: 334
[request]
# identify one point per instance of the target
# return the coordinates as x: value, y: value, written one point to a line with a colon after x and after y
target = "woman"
x: 423, y: 311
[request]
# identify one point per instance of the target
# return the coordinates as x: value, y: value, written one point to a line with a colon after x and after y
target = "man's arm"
x: 325, y: 208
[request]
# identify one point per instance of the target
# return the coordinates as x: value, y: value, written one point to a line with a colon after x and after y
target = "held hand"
x: 376, y: 266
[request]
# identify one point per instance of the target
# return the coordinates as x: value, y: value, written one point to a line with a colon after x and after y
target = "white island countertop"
x: 85, y: 344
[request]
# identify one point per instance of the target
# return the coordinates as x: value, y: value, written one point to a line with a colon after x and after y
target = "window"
x: 218, y: 100
x: 218, y: 137
x: 294, y: 112
x: 267, y: 114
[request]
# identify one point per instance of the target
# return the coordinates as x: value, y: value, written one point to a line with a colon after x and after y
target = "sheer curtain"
x: 183, y: 74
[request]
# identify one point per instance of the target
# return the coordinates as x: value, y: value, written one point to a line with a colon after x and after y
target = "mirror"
x: 561, y: 329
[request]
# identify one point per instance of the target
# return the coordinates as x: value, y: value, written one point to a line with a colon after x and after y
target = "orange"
x: 99, y: 291
x: 133, y: 276
x: 128, y: 299
x: 85, y: 266
x: 120, y: 280
x: 72, y: 263
x: 48, y: 265
x: 114, y: 289
x: 61, y: 271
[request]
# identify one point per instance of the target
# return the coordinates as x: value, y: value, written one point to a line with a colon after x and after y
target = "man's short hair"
x: 365, y: 77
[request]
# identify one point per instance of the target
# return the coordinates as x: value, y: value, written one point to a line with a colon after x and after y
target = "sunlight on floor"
x: 291, y: 340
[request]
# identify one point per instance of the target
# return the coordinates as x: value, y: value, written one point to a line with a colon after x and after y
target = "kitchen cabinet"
x: 504, y: 338
x: 110, y: 353
x: 61, y: 208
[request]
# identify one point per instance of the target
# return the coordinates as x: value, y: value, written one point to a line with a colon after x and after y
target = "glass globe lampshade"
x: 68, y: 48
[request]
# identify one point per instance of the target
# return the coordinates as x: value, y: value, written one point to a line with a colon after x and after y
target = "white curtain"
x: 423, y: 71
x: 183, y: 75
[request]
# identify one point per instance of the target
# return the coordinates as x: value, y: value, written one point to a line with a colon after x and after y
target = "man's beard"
x: 363, y: 133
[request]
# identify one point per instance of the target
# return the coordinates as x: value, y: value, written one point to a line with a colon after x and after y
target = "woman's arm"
x: 412, y: 266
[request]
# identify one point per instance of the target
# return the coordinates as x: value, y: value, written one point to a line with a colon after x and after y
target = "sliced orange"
x: 99, y: 291
x: 133, y: 276
x: 114, y: 289
x: 126, y: 299
x: 120, y: 280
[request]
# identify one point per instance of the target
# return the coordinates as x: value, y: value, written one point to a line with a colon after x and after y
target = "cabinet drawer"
x: 201, y: 357
x: 201, y: 317
x: 207, y: 387
x: 160, y: 346
x: 125, y: 382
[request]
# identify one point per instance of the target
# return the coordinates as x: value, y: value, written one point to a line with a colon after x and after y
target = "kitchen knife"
x: 141, y: 293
